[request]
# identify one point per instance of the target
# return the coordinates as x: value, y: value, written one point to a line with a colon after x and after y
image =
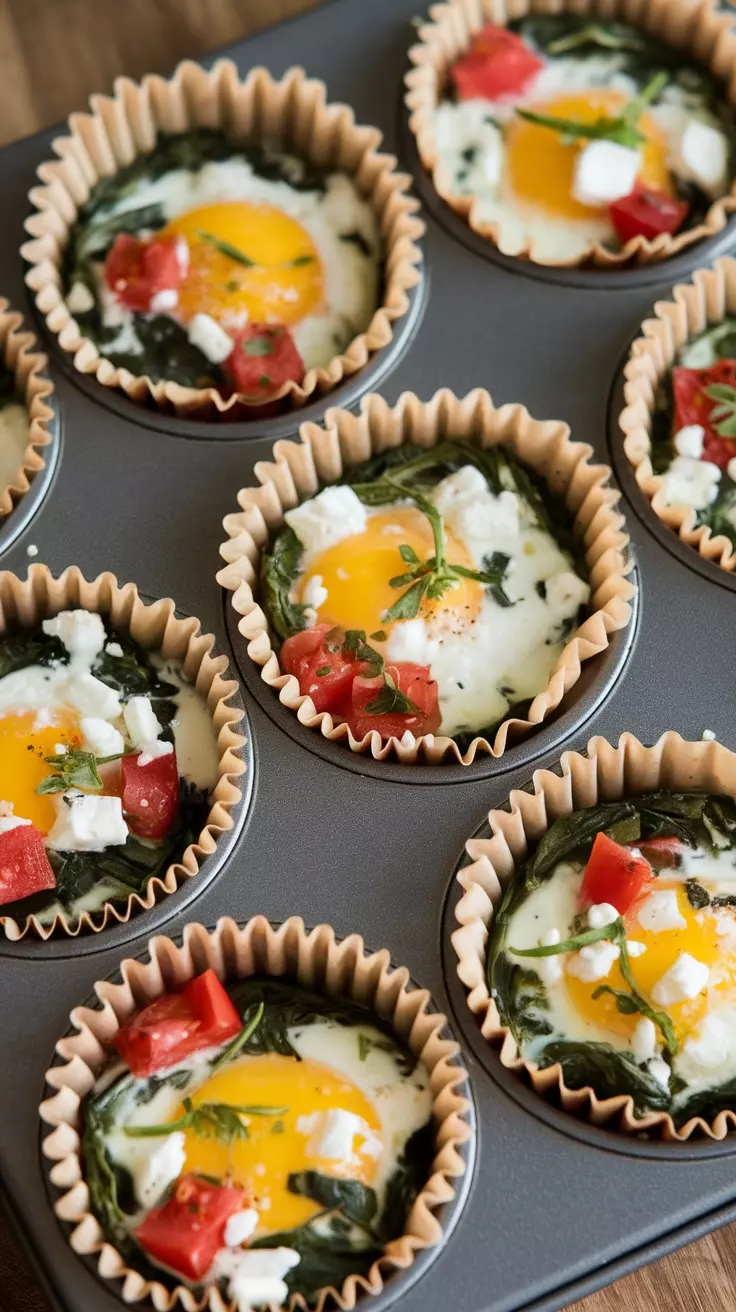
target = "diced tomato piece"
x: 613, y: 874
x: 647, y: 213
x: 324, y: 671
x: 187, y: 1231
x: 418, y: 685
x: 137, y: 270
x: 150, y: 794
x: 661, y: 852
x: 264, y: 357
x: 178, y: 1024
x: 24, y: 866
x: 693, y: 406
x: 498, y: 63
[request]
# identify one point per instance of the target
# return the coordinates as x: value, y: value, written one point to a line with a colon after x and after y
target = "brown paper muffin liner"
x: 696, y: 29
x: 318, y: 961
x: 695, y: 306
x: 604, y: 774
x: 347, y: 439
x: 26, y: 602
x: 20, y: 354
x: 293, y: 111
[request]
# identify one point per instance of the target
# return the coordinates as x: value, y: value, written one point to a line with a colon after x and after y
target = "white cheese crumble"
x: 93, y: 697
x: 113, y: 649
x: 81, y: 631
x: 594, y: 961
x: 159, y: 1168
x: 549, y: 969
x: 314, y: 594
x: 140, y: 721
x: 689, y: 441
x: 256, y: 1275
x: 481, y: 521
x: 691, y: 483
x: 566, y: 592
x: 685, y: 979
x: 644, y: 1039
x: 168, y: 299
x: 101, y: 737
x: 708, y: 735
x: 707, y: 1045
x: 635, y: 948
x: 240, y: 1227
x: 701, y: 156
x: 212, y: 340
x: 11, y: 822
x: 409, y: 641
x: 604, y: 172
x: 332, y: 1133
x: 602, y: 913
x: 86, y: 823
x: 660, y: 912
x: 334, y: 514
x: 660, y: 1071
x: 152, y: 751
x: 731, y: 469
x: 31, y: 549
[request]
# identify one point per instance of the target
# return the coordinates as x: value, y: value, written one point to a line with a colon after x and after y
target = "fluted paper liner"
x: 293, y: 111
x: 321, y: 456
x: 605, y: 774
x: 20, y: 354
x: 695, y: 306
x: 695, y: 28
x: 26, y: 602
x: 317, y: 960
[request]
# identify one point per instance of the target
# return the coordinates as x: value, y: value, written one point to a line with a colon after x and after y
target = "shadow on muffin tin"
x: 399, y: 1282
x: 516, y: 1086
x: 597, y: 681
x: 27, y: 506
x: 626, y: 478
x: 346, y: 395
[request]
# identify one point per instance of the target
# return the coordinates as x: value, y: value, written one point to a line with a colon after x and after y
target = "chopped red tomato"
x: 660, y: 852
x: 137, y: 270
x: 416, y: 683
x: 647, y: 213
x: 613, y: 874
x: 186, y: 1233
x: 323, y: 669
x: 150, y: 794
x: 497, y: 64
x: 24, y: 865
x: 693, y: 406
x: 264, y: 357
x: 178, y: 1024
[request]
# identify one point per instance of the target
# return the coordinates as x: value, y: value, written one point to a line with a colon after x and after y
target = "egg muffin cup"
x: 697, y: 29
x: 18, y: 350
x: 346, y: 439
x: 25, y: 603
x: 695, y: 306
x: 604, y: 774
x: 294, y: 111
x: 317, y: 961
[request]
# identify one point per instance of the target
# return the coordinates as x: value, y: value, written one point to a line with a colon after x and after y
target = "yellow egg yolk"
x: 357, y: 573
x: 246, y: 255
x: 22, y: 765
x: 277, y: 1145
x: 541, y: 163
x: 698, y: 937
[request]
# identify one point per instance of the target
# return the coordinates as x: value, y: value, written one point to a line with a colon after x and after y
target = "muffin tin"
x: 552, y: 1208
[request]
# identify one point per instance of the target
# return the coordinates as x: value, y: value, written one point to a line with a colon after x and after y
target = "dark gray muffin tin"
x: 550, y: 1208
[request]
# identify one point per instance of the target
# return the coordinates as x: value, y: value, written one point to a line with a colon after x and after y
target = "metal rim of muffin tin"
x: 41, y: 482
x: 397, y: 1282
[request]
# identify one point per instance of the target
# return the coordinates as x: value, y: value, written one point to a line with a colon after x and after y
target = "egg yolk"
x: 277, y: 1145
x: 541, y: 163
x: 22, y: 766
x: 698, y: 937
x: 357, y: 573
x: 248, y: 256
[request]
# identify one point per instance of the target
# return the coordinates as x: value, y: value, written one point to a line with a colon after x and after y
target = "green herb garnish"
x: 621, y: 128
x: 225, y: 248
x: 211, y: 1120
x: 75, y: 769
x: 240, y: 1040
x: 723, y: 415
x: 390, y: 700
x: 258, y: 346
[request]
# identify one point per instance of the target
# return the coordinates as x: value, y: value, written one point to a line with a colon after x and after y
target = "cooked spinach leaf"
x: 30, y: 647
x: 606, y: 1070
x: 133, y: 674
x: 325, y: 1258
x: 412, y: 1170
x: 279, y: 568
x: 356, y: 1201
x: 166, y: 353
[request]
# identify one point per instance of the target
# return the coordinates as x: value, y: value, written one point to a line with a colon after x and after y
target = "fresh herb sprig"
x: 238, y: 1043
x: 594, y: 34
x: 75, y: 769
x: 390, y: 700
x: 723, y: 415
x: 627, y: 1003
x: 623, y: 128
x: 239, y: 257
x: 211, y: 1120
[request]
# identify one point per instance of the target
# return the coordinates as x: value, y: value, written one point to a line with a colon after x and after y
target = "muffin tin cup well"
x: 697, y: 29
x: 24, y: 603
x: 695, y: 306
x: 604, y: 773
x: 316, y: 960
x: 322, y: 456
x: 19, y: 353
x: 293, y: 111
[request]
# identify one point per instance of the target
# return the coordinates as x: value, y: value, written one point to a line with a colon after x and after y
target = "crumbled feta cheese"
x: 566, y: 593
x: 481, y: 521
x: 603, y: 913
x: 11, y: 822
x: 731, y: 469
x: 151, y: 751
x: 549, y: 969
x: 594, y: 961
x: 660, y: 1071
x: 634, y: 947
x: 701, y: 156
x: 255, y: 1275
x: 168, y: 299
x: 113, y: 649
x: 93, y: 697
x: 31, y: 549
x: 708, y: 735
x: 644, y: 1039
x: 689, y: 441
x: 240, y: 1227
x: 87, y: 823
x: 707, y: 1045
x: 409, y: 641
x: 181, y: 250
x: 331, y: 1133
x: 685, y: 979
x: 660, y: 911
x: 160, y: 1168
x: 334, y: 514
x: 81, y: 631
x: 100, y: 737
x: 604, y: 172
x: 140, y: 721
x: 313, y: 593
x: 691, y: 483
x: 212, y: 340
x: 79, y: 299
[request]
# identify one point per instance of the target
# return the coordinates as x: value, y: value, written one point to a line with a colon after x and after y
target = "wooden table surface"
x: 53, y: 54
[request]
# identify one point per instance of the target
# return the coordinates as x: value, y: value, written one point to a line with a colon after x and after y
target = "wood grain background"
x: 53, y: 54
